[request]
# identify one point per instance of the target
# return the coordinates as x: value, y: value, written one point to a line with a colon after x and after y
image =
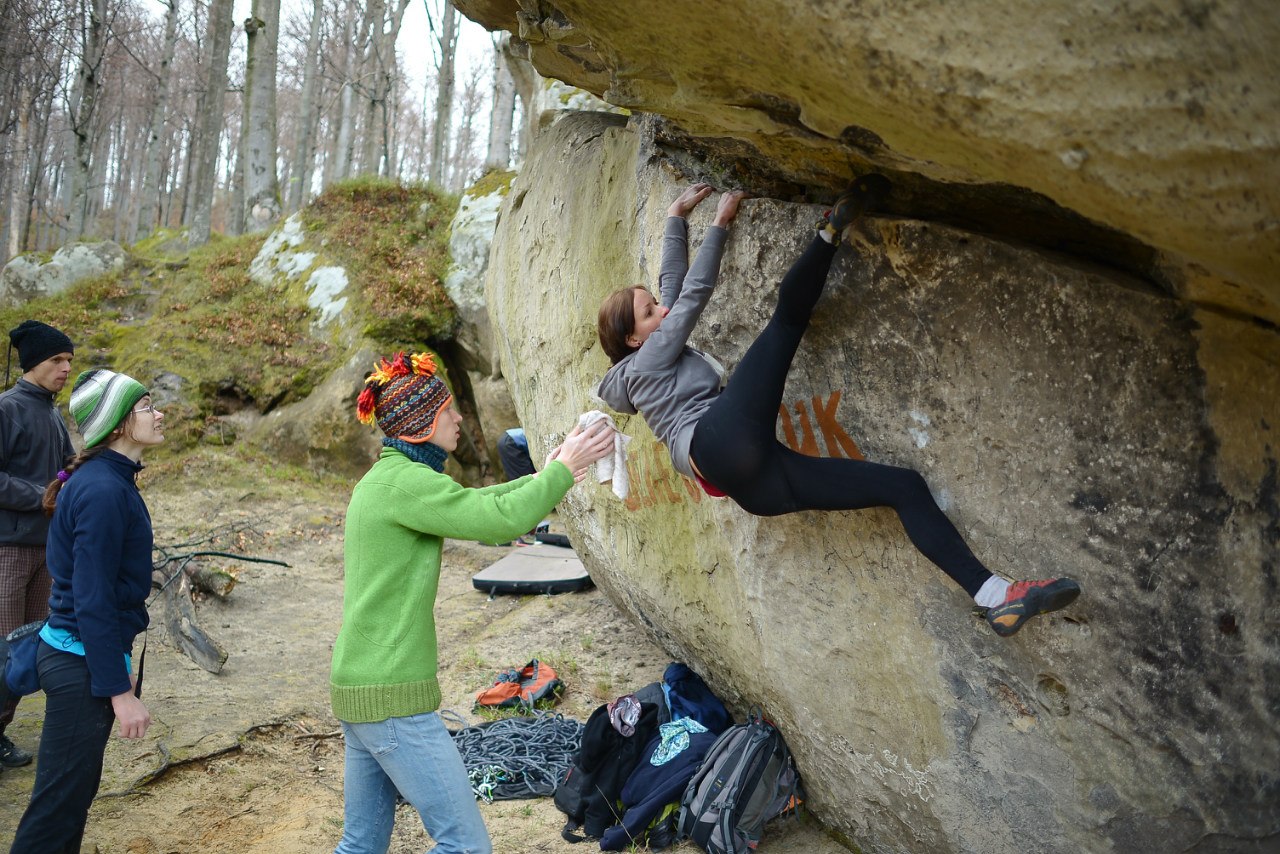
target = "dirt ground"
x: 250, y: 761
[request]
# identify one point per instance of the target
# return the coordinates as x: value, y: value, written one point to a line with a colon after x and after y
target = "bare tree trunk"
x: 504, y: 108
x: 261, y: 179
x: 371, y: 75
x: 191, y: 163
x: 420, y: 145
x: 121, y: 159
x: 525, y: 78
x: 342, y: 160
x: 444, y: 94
x: 340, y: 163
x: 39, y: 150
x: 209, y: 129
x: 18, y: 206
x: 388, y: 86
x: 148, y: 197
x: 84, y: 102
x: 304, y: 156
x: 471, y: 105
x: 235, y: 180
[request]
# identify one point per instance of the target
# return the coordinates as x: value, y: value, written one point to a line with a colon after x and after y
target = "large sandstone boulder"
x: 470, y: 235
x: 286, y: 259
x: 322, y: 429
x: 1140, y: 135
x: 25, y: 278
x: 1070, y: 419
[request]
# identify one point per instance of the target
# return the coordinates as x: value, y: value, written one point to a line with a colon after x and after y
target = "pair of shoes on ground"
x: 11, y: 755
x: 864, y: 194
x: 1026, y: 599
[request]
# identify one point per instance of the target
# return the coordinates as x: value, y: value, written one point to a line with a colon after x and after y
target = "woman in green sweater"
x: 383, y: 681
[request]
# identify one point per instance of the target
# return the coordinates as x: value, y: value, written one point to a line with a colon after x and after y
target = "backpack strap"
x: 567, y: 832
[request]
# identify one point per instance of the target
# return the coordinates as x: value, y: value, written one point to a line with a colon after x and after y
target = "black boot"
x: 11, y: 755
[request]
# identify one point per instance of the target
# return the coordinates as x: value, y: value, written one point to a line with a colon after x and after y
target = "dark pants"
x: 735, y: 444
x: 515, y: 459
x: 69, y: 765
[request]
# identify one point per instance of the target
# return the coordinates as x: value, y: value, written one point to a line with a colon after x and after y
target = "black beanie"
x: 38, y: 341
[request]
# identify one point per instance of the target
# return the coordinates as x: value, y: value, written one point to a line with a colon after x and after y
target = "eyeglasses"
x: 150, y: 407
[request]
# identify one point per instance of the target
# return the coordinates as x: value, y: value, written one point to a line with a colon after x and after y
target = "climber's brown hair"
x: 617, y: 320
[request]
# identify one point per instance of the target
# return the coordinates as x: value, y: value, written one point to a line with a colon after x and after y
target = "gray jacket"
x: 668, y: 382
x: 34, y: 445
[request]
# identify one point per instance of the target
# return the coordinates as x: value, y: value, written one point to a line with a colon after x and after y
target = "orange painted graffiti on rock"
x: 654, y: 480
x: 838, y: 442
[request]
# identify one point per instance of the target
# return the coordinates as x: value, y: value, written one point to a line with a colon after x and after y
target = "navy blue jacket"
x: 651, y: 787
x: 99, y: 554
x: 34, y: 444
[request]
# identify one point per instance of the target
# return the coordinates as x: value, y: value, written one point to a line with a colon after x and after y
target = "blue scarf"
x: 425, y: 453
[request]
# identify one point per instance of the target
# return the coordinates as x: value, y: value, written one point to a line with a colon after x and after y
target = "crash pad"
x: 540, y: 568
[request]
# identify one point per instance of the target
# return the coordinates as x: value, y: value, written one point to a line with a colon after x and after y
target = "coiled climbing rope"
x: 522, y: 757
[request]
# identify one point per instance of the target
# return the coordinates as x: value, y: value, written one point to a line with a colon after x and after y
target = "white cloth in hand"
x: 614, y: 466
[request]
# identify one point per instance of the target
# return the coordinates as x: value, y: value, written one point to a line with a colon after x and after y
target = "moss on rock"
x: 210, y: 340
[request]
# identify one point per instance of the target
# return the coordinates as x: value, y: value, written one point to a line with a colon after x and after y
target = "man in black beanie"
x: 34, y: 446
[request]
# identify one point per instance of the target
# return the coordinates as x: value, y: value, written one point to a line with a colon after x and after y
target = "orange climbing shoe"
x: 864, y: 194
x: 1025, y: 599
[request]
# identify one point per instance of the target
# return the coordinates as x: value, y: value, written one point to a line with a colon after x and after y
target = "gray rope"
x: 517, y: 757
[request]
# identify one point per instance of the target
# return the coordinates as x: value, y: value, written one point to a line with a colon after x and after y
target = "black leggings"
x: 735, y: 444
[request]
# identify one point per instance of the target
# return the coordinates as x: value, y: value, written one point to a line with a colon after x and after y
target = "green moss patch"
x: 233, y: 343
x: 393, y: 240
x: 493, y: 181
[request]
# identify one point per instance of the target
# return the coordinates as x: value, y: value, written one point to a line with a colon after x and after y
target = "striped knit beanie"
x: 405, y: 397
x: 101, y: 400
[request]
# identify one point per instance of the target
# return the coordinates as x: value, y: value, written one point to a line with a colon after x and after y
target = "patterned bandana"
x: 404, y: 397
x: 100, y: 402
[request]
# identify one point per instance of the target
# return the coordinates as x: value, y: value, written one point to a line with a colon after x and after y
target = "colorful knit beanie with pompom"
x: 405, y: 397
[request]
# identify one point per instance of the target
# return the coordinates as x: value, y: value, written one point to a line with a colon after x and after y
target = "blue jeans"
x: 414, y: 756
x: 69, y: 765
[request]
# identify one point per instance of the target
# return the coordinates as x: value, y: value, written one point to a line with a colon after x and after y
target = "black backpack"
x: 747, y: 778
x: 591, y: 791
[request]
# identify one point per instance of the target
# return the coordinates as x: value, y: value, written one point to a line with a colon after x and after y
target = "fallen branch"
x: 211, y: 579
x: 318, y: 736
x: 180, y: 613
x: 180, y: 621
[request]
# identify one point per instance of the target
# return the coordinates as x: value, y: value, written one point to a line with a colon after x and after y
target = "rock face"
x: 470, y: 235
x: 285, y: 256
x: 25, y: 278
x: 1140, y: 134
x: 1071, y: 420
x: 322, y: 430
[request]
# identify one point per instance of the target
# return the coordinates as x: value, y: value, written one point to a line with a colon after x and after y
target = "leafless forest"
x: 121, y: 116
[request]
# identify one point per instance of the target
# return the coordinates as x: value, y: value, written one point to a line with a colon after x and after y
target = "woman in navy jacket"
x: 99, y: 555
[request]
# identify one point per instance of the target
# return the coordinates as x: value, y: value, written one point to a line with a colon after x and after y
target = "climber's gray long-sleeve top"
x: 666, y: 380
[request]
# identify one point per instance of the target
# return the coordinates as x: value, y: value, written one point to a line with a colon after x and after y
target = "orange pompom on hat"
x: 405, y: 397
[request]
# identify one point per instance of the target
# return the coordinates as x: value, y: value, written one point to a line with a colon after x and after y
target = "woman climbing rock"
x: 724, y: 434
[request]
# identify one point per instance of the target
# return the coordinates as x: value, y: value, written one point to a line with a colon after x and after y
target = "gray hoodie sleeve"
x: 688, y: 297
x: 675, y: 260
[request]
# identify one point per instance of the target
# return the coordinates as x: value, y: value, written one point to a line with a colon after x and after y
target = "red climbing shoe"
x: 1025, y: 599
x: 864, y: 194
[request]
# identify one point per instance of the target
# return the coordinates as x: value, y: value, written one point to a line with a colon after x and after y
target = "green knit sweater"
x: 384, y: 661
